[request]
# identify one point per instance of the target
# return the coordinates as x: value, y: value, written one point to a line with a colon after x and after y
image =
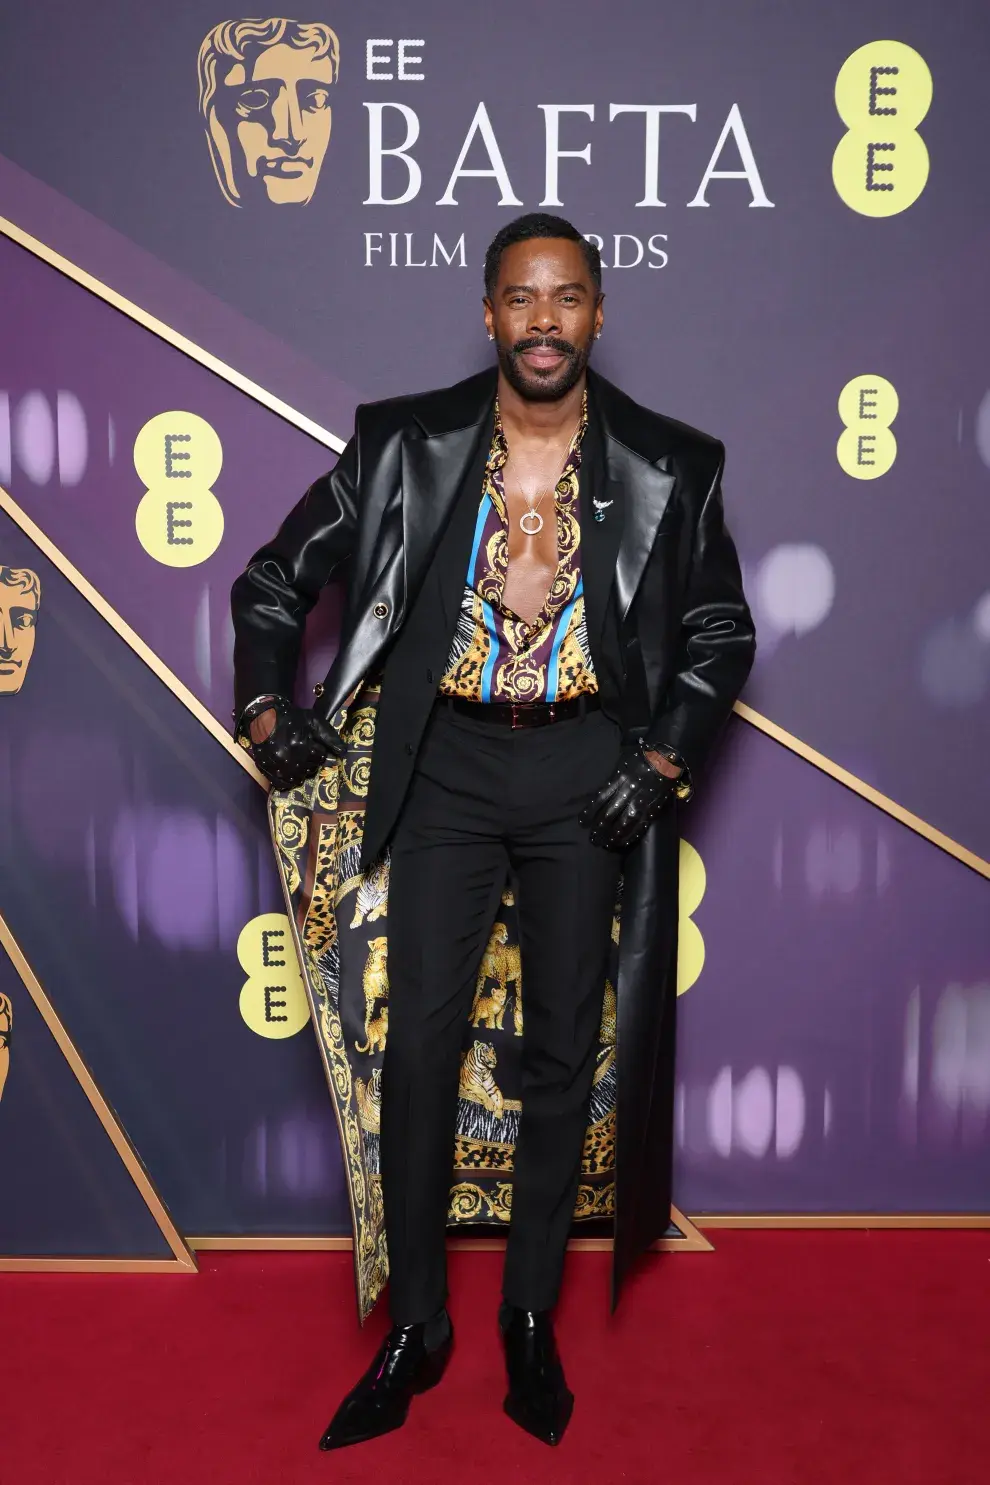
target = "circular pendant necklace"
x: 531, y: 522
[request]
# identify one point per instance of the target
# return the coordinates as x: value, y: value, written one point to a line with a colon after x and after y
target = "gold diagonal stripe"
x: 144, y: 652
x: 299, y: 420
x: 865, y: 791
x: 185, y: 1260
x: 173, y: 337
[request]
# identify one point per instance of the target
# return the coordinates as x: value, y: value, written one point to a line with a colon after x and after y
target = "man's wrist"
x: 244, y: 728
x: 662, y: 763
x: 668, y: 762
x: 263, y: 725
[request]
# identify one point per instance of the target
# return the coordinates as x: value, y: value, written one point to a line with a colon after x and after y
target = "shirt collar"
x: 500, y: 448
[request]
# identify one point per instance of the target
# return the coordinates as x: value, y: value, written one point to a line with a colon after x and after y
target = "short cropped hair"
x: 537, y: 224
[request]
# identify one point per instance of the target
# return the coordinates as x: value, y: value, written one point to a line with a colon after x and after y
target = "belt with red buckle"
x: 519, y: 713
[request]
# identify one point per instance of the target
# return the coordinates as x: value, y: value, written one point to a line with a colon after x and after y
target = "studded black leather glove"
x: 621, y: 812
x: 297, y: 746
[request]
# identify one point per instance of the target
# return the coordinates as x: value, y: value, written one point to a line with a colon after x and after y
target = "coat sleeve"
x: 717, y: 638
x: 270, y: 600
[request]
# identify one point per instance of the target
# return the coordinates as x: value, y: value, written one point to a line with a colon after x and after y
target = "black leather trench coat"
x: 669, y: 628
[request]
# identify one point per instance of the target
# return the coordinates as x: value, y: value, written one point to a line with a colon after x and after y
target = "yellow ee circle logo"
x: 867, y: 406
x: 178, y: 457
x: 273, y: 999
x: 882, y: 93
x: 690, y: 944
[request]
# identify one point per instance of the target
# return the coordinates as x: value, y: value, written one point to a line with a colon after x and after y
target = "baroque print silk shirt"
x: 496, y: 655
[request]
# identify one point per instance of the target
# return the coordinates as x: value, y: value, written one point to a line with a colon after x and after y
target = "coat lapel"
x: 602, y: 507
x: 648, y: 488
x: 437, y: 461
x: 445, y: 435
x: 646, y: 482
x: 433, y: 473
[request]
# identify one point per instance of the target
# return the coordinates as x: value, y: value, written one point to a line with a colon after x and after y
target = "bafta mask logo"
x: 264, y: 94
x: 6, y: 1025
x: 20, y: 599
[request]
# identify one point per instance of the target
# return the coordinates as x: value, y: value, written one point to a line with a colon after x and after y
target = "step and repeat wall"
x: 222, y: 233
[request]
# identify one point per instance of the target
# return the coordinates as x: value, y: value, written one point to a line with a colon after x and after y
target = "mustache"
x: 544, y: 343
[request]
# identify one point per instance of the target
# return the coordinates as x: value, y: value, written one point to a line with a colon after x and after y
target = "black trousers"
x: 486, y: 800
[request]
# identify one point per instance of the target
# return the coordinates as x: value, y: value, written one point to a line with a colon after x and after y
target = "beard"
x: 543, y: 386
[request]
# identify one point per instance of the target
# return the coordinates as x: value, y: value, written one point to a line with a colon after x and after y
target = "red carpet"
x: 811, y: 1359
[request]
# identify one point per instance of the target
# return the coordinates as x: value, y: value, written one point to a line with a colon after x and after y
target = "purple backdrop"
x: 835, y: 1048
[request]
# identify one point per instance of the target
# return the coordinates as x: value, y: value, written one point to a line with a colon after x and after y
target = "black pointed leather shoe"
x: 404, y: 1365
x: 538, y: 1398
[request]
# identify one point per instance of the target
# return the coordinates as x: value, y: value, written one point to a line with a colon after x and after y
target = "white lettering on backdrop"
x: 396, y: 177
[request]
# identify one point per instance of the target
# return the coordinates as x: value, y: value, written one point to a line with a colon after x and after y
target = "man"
x: 540, y: 578
x: 264, y: 94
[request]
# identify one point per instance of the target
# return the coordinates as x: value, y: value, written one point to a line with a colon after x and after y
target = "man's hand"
x: 621, y: 812
x: 290, y: 745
